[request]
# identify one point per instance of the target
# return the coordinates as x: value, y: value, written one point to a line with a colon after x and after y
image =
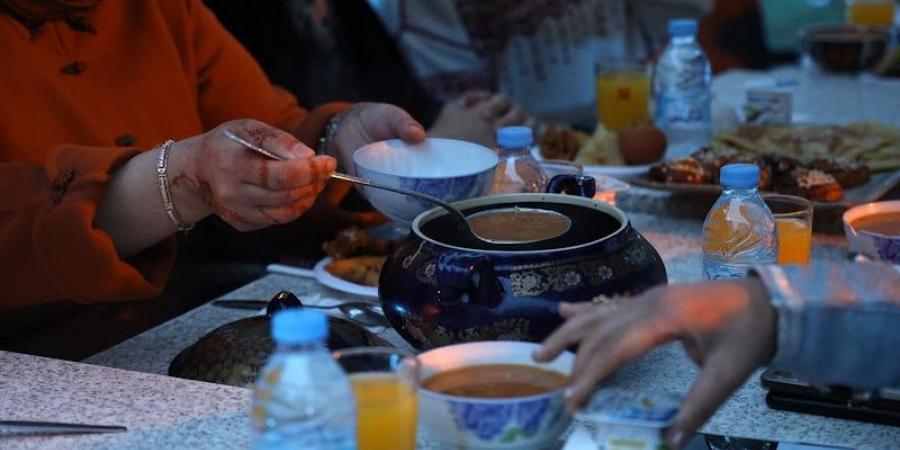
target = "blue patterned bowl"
x: 448, y: 169
x: 533, y: 422
x: 875, y: 246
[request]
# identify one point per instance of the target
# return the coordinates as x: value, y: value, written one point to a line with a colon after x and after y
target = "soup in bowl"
x: 492, y: 395
x: 873, y: 230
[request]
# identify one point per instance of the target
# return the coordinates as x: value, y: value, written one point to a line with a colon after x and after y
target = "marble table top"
x: 666, y: 369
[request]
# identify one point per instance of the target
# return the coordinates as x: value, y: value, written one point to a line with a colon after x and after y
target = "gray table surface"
x: 164, y: 412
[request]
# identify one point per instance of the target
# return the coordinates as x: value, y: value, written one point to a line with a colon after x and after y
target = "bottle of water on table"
x: 303, y: 398
x: 518, y: 171
x: 739, y: 231
x: 682, y: 89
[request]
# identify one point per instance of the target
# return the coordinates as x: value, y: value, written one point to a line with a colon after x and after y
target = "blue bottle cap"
x: 739, y: 176
x: 682, y: 27
x: 299, y: 326
x: 514, y: 137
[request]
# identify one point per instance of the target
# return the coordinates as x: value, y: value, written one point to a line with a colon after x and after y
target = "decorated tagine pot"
x: 435, y: 290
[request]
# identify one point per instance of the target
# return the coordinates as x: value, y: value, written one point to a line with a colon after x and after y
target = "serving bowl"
x: 448, y: 169
x: 844, y: 47
x: 436, y: 291
x: 532, y: 422
x: 872, y: 245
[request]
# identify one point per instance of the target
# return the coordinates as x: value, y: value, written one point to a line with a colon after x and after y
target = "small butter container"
x: 769, y: 103
x: 623, y: 420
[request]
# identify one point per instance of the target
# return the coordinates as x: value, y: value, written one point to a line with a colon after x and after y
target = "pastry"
x: 847, y: 174
x: 686, y: 170
x: 561, y: 143
x: 814, y: 185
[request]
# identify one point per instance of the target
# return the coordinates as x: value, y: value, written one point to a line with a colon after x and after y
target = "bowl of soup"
x: 873, y: 230
x: 448, y: 169
x: 492, y: 395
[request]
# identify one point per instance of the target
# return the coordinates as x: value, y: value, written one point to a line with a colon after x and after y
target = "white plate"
x: 338, y: 284
x: 620, y: 172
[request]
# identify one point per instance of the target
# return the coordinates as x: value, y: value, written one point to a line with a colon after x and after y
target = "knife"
x: 255, y: 305
x: 30, y: 427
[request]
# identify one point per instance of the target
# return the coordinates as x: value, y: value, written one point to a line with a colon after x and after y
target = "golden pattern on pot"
x: 515, y: 329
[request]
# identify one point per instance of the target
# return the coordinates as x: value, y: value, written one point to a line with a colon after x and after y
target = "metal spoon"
x: 366, y: 314
x: 458, y: 217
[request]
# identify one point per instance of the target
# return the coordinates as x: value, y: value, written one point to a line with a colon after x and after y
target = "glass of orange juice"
x: 876, y: 13
x: 623, y: 95
x: 386, y: 384
x: 793, y: 223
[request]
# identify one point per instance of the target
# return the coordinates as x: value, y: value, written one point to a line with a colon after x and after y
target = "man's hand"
x: 727, y: 327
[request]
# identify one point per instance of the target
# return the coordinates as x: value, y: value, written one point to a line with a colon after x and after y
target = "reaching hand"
x: 476, y: 116
x: 728, y: 328
x: 365, y: 123
x: 210, y: 174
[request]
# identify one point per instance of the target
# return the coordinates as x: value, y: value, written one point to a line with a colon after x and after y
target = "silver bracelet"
x: 326, y: 141
x: 161, y: 162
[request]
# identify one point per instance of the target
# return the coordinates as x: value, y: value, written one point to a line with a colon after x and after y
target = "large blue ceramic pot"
x: 437, y: 290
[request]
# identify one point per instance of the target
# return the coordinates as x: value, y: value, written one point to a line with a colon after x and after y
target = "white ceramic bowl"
x: 506, y: 423
x: 448, y: 169
x: 872, y: 245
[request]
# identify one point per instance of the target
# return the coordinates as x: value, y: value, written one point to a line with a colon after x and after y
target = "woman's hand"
x: 476, y: 116
x: 211, y: 174
x: 728, y: 328
x: 365, y: 123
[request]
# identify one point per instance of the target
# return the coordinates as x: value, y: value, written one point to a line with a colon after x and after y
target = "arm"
x: 837, y: 322
x: 88, y: 225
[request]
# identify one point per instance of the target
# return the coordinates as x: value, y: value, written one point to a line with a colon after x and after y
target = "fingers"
x: 495, y: 107
x: 285, y: 214
x: 571, y: 332
x: 471, y: 98
x: 261, y: 197
x: 516, y: 115
x: 606, y: 349
x: 402, y: 125
x: 270, y: 138
x: 725, y: 371
x: 569, y: 310
x: 292, y: 174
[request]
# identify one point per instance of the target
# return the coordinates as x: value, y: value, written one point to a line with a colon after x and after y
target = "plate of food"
x: 834, y: 166
x: 354, y: 262
x: 623, y: 155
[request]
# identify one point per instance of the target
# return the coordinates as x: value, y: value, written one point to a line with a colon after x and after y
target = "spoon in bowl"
x: 458, y: 217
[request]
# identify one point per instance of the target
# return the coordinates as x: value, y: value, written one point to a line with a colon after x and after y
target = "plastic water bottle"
x: 303, y: 398
x: 739, y: 231
x: 517, y: 172
x: 681, y: 89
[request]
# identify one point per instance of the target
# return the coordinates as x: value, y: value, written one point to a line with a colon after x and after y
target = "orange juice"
x: 386, y: 412
x: 871, y: 12
x: 623, y: 99
x: 794, y: 241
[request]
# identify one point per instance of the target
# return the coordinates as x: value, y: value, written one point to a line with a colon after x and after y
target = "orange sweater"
x: 75, y: 104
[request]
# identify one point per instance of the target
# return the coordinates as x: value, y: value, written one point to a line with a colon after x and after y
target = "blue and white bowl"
x: 448, y: 169
x: 875, y: 246
x: 533, y: 422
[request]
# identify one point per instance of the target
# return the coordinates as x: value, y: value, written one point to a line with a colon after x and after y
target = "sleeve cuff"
x: 79, y: 259
x: 790, y: 323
